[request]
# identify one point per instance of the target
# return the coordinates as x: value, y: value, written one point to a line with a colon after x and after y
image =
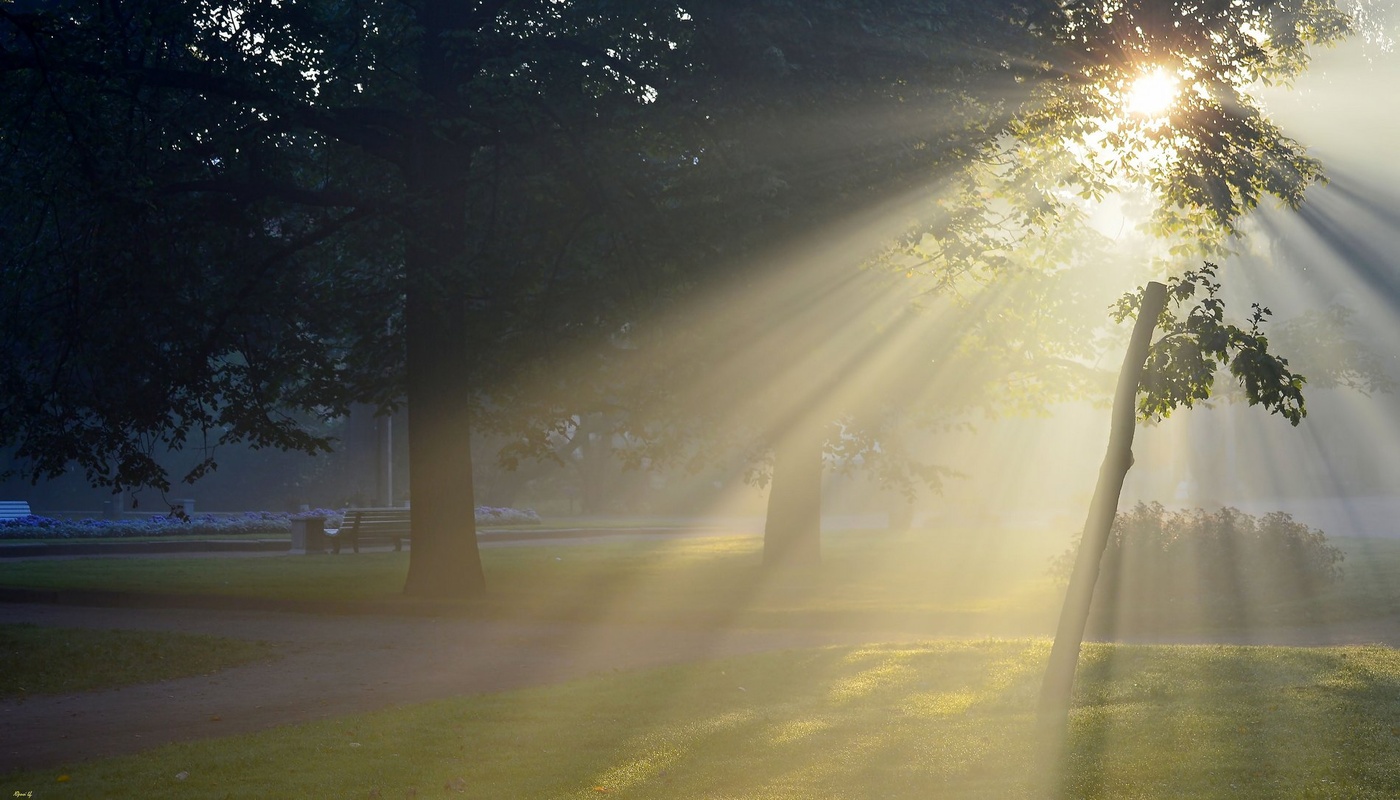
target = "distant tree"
x: 1003, y: 118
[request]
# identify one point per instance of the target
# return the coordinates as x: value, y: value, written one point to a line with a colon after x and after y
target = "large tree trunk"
x: 792, y: 531
x: 444, y: 560
x: 1058, y: 687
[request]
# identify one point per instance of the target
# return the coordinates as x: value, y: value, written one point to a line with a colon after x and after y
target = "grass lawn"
x: 36, y: 660
x: 622, y: 523
x: 169, y: 537
x: 952, y: 583
x: 946, y: 719
x: 956, y: 583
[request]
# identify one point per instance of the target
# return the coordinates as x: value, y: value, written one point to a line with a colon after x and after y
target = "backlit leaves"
x: 1196, y: 342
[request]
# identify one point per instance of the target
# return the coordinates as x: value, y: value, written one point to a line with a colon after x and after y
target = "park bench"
x: 13, y: 509
x: 373, y: 524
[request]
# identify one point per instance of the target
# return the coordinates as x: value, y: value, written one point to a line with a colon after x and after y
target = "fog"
x: 1011, y: 470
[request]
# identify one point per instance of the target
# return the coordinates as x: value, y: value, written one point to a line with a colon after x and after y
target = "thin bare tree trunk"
x: 1056, y: 691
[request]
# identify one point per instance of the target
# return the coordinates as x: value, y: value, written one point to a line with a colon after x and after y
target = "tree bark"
x: 792, y: 530
x: 444, y: 560
x: 1056, y: 691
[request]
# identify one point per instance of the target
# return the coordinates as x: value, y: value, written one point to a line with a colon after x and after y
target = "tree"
x: 1040, y: 127
x: 304, y: 205
x: 1176, y: 370
x: 462, y: 186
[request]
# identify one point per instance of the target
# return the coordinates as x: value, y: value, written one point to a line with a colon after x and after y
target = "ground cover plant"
x: 940, y: 719
x: 35, y: 527
x: 38, y: 660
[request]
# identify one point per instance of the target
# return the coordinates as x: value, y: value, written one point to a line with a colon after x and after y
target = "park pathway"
x: 331, y: 665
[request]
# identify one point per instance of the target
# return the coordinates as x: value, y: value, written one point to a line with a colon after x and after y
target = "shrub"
x: 275, y: 523
x: 506, y: 516
x: 1165, y: 565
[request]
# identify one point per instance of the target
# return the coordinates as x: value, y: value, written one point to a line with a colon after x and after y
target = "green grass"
x: 169, y: 537
x: 953, y: 584
x: 957, y: 583
x: 35, y: 660
x: 946, y: 719
x: 293, y: 577
x: 620, y: 523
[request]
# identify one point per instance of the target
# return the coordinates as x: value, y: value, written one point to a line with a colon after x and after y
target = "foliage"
x: 494, y: 515
x: 1194, y: 344
x: 1194, y: 565
x: 241, y: 250
x: 1213, y: 153
x: 369, y: 201
x: 1334, y: 351
x: 998, y: 234
x: 37, y: 527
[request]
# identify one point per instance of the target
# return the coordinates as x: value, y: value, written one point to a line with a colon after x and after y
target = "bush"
x: 506, y: 516
x: 36, y: 527
x: 1196, y: 565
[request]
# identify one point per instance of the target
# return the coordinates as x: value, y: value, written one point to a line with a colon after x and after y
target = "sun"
x: 1151, y: 94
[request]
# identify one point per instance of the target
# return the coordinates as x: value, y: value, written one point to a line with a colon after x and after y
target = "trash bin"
x: 309, y: 535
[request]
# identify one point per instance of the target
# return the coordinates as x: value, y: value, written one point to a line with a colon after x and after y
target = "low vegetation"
x: 36, y: 660
x: 1169, y: 569
x: 250, y: 522
x: 945, y: 719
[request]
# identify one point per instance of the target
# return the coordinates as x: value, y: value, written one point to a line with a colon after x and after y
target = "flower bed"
x: 37, y: 527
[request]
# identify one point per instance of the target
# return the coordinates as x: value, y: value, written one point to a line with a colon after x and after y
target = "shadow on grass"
x: 938, y: 720
x: 1259, y: 722
x: 35, y: 660
x: 953, y: 585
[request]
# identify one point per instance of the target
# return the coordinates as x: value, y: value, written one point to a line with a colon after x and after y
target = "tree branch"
x: 263, y: 190
x: 378, y: 131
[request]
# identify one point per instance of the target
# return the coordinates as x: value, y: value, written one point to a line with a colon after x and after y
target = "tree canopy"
x: 215, y: 213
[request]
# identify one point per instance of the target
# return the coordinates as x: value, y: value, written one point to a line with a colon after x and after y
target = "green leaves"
x: 1197, y: 342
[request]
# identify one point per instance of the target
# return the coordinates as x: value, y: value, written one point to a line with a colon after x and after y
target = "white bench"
x: 13, y: 509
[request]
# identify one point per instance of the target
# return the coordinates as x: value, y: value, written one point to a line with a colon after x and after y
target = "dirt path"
x: 332, y: 665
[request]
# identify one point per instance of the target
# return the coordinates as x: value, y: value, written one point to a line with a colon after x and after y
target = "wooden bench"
x: 360, y: 524
x: 13, y: 509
